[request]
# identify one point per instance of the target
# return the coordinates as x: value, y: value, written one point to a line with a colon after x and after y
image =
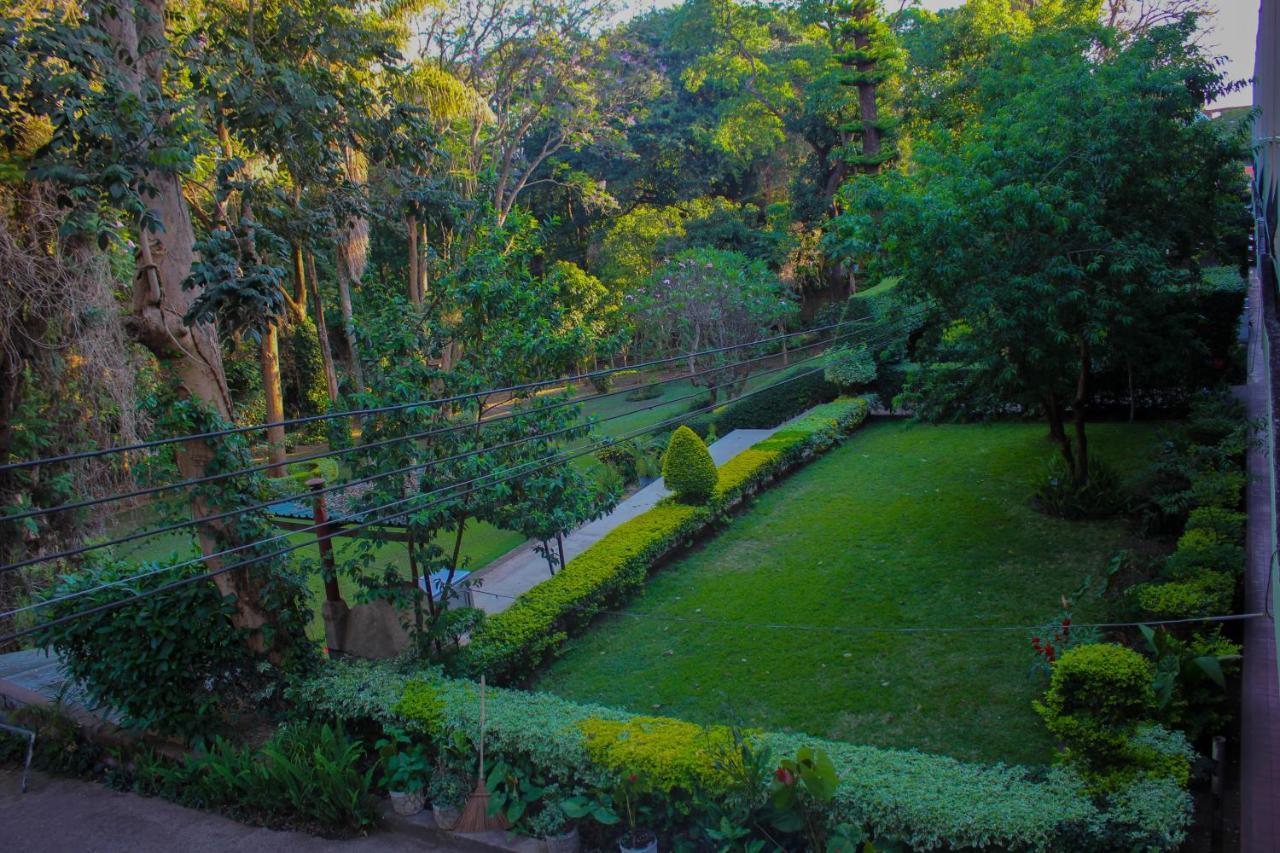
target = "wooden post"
x: 324, y: 535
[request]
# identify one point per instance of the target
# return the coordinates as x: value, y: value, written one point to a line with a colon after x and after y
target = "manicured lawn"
x: 904, y: 525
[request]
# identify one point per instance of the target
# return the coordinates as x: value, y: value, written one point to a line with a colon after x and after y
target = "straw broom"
x: 475, y: 815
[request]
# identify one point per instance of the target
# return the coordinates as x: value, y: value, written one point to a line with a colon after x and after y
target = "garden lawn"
x: 905, y: 525
x: 481, y: 544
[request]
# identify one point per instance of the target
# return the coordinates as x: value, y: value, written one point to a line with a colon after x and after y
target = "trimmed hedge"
x: 927, y: 801
x: 771, y: 407
x: 511, y: 644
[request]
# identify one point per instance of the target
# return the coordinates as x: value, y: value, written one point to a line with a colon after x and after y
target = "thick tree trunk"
x: 269, y: 358
x: 189, y: 355
x: 322, y: 331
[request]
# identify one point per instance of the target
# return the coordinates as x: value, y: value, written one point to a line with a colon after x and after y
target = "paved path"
x: 58, y: 815
x: 524, y: 568
x: 1260, y: 692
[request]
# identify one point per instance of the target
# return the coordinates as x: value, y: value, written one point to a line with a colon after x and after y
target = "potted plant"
x: 405, y: 770
x: 448, y: 792
x: 637, y: 837
x: 559, y: 834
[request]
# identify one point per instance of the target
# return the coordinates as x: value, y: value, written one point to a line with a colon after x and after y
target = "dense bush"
x: 510, y: 644
x: 168, y: 663
x: 927, y: 801
x: 849, y: 368
x: 304, y: 774
x: 1102, y: 496
x: 1207, y: 593
x: 1099, y: 695
x: 781, y: 402
x: 1222, y: 489
x: 687, y: 468
x: 1227, y: 524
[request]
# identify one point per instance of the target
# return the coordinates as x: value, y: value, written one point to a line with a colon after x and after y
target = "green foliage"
x: 1200, y: 550
x: 851, y: 368
x: 171, y: 663
x: 1101, y: 496
x: 1221, y: 489
x: 1098, y: 695
x: 308, y: 773
x: 687, y: 468
x: 789, y: 397
x: 1091, y: 278
x: 1227, y: 524
x: 1206, y: 593
x: 924, y: 800
x: 421, y: 707
x: 512, y: 643
x: 663, y: 753
x: 1191, y: 678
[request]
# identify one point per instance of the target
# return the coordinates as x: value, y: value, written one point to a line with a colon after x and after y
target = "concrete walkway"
x: 524, y: 568
x: 1260, y: 688
x: 58, y: 814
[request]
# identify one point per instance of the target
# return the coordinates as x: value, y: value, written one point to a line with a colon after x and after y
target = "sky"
x: 1233, y: 36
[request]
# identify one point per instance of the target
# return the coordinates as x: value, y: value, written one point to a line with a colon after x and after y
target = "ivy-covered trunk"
x: 189, y: 355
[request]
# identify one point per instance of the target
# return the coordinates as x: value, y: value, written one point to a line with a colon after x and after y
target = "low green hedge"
x: 509, y: 645
x: 927, y: 801
x: 769, y: 408
x: 1206, y: 593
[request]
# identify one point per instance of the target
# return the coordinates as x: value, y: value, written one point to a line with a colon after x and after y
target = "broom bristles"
x: 475, y: 815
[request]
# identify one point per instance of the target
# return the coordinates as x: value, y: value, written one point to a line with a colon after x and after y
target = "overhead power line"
x: 381, y: 520
x: 455, y: 427
x: 409, y: 469
x: 439, y: 401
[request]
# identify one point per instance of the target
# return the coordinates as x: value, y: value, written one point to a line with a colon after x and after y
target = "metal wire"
x: 81, y: 549
x: 440, y: 401
x: 564, y: 457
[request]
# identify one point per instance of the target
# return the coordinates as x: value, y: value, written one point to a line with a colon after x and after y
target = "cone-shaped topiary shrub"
x: 687, y: 467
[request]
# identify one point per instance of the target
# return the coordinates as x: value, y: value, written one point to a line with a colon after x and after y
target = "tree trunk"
x: 189, y: 355
x: 352, y: 255
x: 269, y: 358
x: 1079, y: 413
x: 1057, y: 429
x: 411, y: 233
x: 297, y: 301
x: 322, y: 331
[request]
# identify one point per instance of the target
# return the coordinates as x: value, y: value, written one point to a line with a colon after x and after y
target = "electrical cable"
x: 81, y: 549
x: 440, y: 401
x: 564, y: 457
x: 212, y: 478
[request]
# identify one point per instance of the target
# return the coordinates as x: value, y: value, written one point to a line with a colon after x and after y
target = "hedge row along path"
x: 524, y: 568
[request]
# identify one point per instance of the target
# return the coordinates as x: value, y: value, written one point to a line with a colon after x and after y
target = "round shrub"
x: 167, y: 663
x: 851, y: 368
x: 1098, y: 695
x: 688, y: 469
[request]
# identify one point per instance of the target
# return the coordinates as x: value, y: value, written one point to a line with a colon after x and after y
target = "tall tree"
x: 1062, y: 214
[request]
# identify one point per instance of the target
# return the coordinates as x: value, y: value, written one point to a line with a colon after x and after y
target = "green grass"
x: 904, y: 525
x: 481, y: 544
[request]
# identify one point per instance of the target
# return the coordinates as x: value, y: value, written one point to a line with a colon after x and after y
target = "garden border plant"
x: 924, y: 801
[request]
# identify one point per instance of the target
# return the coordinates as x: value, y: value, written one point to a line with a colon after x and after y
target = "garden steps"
x: 523, y: 568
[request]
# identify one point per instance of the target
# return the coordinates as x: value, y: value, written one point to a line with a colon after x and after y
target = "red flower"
x: 784, y: 776
x: 632, y: 778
